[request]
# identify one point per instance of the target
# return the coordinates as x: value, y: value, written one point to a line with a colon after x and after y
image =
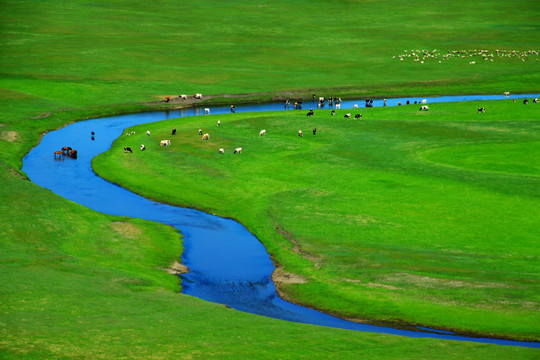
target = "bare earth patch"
x: 282, y: 277
x: 177, y: 268
x: 10, y: 136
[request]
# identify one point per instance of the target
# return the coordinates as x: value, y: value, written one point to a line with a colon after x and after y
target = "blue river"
x: 228, y: 265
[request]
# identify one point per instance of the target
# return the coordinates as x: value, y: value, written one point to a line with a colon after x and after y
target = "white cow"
x: 218, y: 123
x: 206, y: 111
x: 221, y: 151
x: 338, y: 106
x: 165, y: 143
x: 148, y: 133
x: 238, y: 150
x: 197, y: 96
x: 262, y: 132
x: 183, y: 97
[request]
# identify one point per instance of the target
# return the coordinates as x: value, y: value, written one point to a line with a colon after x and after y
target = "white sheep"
x: 148, y: 133
x: 262, y: 132
x: 221, y: 151
x: 238, y: 150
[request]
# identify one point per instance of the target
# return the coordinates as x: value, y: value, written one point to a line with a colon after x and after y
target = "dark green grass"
x: 380, y: 215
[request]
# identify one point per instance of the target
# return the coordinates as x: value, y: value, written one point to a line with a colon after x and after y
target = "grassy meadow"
x: 378, y: 215
x: 78, y: 284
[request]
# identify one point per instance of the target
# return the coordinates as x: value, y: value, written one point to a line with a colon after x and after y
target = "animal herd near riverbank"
x: 65, y: 151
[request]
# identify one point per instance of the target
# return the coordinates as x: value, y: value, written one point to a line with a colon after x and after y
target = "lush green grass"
x: 379, y: 232
x: 63, y: 61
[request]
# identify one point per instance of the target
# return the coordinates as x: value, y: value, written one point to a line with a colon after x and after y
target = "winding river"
x: 228, y: 265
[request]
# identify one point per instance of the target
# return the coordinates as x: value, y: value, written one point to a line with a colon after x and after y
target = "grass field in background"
x: 67, y: 290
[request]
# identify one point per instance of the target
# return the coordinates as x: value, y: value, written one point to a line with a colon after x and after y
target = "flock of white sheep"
x: 472, y: 55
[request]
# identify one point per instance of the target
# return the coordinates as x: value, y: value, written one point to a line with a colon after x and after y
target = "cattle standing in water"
x: 59, y: 154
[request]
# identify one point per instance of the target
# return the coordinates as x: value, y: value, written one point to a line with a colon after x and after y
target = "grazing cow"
x: 237, y: 150
x: 310, y: 113
x: 173, y: 132
x: 424, y: 108
x: 535, y: 101
x: 333, y: 112
x: 300, y: 133
x: 481, y: 110
x: 206, y: 136
x: 143, y: 147
x: 128, y: 134
x: 221, y: 151
x: 206, y: 111
x: 133, y: 133
x: 262, y: 132
x: 357, y: 116
x: 59, y: 153
x: 165, y: 143
x: 167, y: 98
x: 72, y: 154
x: 197, y: 96
x: 347, y: 115
x: 218, y: 123
x: 183, y: 97
x: 525, y: 102
x: 506, y: 93
x: 127, y: 149
x: 338, y: 106
x: 314, y: 131
x: 200, y: 132
x: 148, y: 133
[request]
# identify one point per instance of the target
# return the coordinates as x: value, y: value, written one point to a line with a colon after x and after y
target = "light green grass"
x: 64, y: 61
x: 379, y: 233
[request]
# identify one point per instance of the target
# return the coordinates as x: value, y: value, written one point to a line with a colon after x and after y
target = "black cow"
x: 481, y: 110
x: 173, y: 132
x: 127, y: 149
x: 310, y: 113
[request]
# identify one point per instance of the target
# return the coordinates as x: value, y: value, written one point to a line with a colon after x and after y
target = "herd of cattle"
x: 66, y: 151
x: 206, y: 136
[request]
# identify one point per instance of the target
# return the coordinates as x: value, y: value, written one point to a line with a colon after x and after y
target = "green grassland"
x: 378, y: 215
x: 77, y: 284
